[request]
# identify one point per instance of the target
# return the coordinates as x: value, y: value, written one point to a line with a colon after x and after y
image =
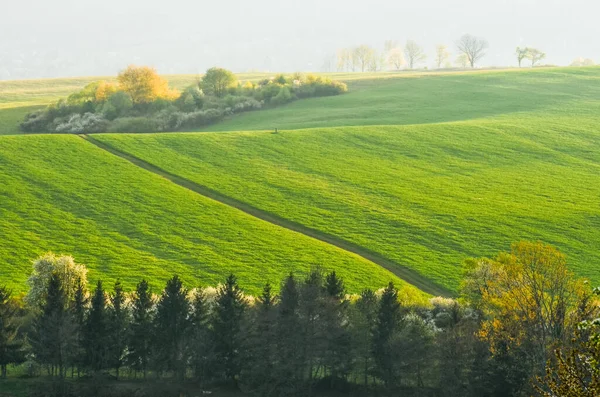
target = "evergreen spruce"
x: 10, y: 344
x: 258, y: 371
x: 200, y: 343
x: 53, y: 336
x: 227, y: 321
x: 288, y: 339
x: 118, y: 327
x: 78, y: 311
x: 141, y: 336
x: 97, y: 338
x: 172, y: 323
x: 334, y: 286
x: 386, y: 326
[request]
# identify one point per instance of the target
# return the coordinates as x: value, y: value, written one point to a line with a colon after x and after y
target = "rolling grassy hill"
x: 63, y: 194
x: 426, y: 195
x: 429, y: 98
x: 424, y: 170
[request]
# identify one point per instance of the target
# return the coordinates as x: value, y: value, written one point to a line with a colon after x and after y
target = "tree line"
x: 523, y: 325
x: 470, y: 51
x: 141, y: 101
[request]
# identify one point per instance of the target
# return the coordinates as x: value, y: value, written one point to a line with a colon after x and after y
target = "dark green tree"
x: 97, y: 338
x: 53, y: 335
x: 289, y: 360
x: 336, y: 355
x: 200, y: 343
x: 10, y: 343
x: 363, y: 318
x: 118, y: 327
x: 78, y: 311
x: 172, y: 323
x: 258, y: 369
x: 140, y: 338
x: 334, y: 286
x: 227, y: 321
x: 386, y: 326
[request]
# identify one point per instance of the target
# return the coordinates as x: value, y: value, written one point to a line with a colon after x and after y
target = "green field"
x: 62, y: 194
x: 425, y: 196
x: 424, y: 170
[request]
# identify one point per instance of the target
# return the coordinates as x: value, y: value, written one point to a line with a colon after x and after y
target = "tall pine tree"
x: 386, y: 326
x: 200, y: 341
x: 54, y: 333
x: 172, y: 323
x: 97, y: 338
x: 10, y: 344
x: 78, y: 310
x: 118, y: 327
x: 227, y: 327
x: 140, y: 338
x: 258, y: 368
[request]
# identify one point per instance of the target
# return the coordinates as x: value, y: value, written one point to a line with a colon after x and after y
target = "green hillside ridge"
x: 425, y: 196
x: 63, y: 194
x: 425, y: 169
x: 429, y: 98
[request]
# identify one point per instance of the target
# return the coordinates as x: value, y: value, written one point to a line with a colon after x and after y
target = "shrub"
x: 267, y: 92
x: 202, y: 118
x: 284, y: 96
x: 88, y: 123
x: 134, y: 124
x: 118, y: 104
x: 191, y: 99
x: 37, y: 121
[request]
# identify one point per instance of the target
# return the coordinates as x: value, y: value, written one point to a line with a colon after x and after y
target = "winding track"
x: 408, y: 275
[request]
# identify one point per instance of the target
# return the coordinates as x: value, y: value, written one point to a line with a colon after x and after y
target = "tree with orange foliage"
x: 104, y: 90
x: 530, y: 303
x: 144, y: 85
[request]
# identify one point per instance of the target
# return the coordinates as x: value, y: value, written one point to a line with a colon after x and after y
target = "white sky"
x: 48, y: 38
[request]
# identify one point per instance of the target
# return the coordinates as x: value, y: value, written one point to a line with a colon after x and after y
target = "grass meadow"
x: 425, y: 169
x: 60, y: 193
x: 426, y: 195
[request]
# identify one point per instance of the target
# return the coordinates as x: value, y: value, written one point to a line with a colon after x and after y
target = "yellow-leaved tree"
x: 105, y: 90
x: 530, y: 304
x: 144, y: 85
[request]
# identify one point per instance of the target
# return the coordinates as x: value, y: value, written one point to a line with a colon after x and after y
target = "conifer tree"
x: 334, y: 286
x: 140, y: 341
x: 336, y: 352
x: 386, y: 326
x: 311, y: 311
x: 118, y: 327
x: 78, y: 312
x: 227, y: 320
x: 364, y: 314
x: 172, y: 323
x: 10, y: 345
x: 288, y: 338
x: 53, y: 336
x: 258, y: 371
x: 97, y: 338
x: 200, y: 343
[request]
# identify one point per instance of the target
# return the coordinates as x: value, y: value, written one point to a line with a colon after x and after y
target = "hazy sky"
x: 50, y: 38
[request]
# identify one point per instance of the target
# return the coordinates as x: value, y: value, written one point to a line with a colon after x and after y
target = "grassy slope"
x: 426, y: 196
x: 63, y: 194
x: 425, y: 99
x: 19, y: 97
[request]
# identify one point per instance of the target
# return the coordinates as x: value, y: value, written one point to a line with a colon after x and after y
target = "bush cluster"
x: 142, y: 102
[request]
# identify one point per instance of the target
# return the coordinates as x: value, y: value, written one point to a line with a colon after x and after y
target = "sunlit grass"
x: 425, y: 196
x: 62, y: 194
